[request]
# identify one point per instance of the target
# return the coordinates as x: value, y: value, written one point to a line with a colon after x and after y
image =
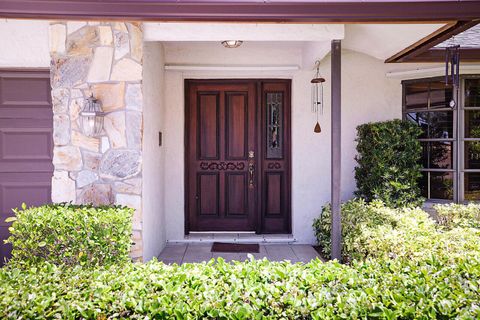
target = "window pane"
x: 472, y: 154
x: 423, y: 184
x: 441, y: 185
x: 441, y: 125
x: 424, y: 158
x: 472, y: 124
x: 421, y: 119
x: 274, y: 125
x: 472, y: 93
x: 441, y: 155
x: 416, y: 95
x: 440, y: 94
x: 472, y: 186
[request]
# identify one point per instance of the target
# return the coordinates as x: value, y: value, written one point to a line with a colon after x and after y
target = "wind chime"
x: 452, y: 71
x: 317, y: 96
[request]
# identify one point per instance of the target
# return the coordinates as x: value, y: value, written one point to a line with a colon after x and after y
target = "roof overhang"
x: 246, y: 10
x: 424, y: 51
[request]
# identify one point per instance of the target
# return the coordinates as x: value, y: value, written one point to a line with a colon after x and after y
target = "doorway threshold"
x: 243, y: 237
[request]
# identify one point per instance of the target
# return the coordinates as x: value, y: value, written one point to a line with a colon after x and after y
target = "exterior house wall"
x: 24, y: 44
x: 154, y: 229
x: 367, y: 95
x: 103, y: 59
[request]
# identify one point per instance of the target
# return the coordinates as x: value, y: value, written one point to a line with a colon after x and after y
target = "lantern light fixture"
x: 317, y: 95
x: 232, y: 43
x: 91, y: 117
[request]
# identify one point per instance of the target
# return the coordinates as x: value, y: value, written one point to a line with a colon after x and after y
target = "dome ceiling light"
x: 232, y: 43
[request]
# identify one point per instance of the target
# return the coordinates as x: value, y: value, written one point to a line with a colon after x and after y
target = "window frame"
x: 458, y: 140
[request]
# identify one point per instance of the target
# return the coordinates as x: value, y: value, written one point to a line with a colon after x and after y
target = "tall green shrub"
x: 65, y: 234
x: 388, y: 163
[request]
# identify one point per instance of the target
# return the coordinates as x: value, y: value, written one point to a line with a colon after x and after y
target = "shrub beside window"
x: 388, y: 163
x: 66, y: 234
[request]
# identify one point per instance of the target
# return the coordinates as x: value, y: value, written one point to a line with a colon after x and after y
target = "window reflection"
x: 472, y: 93
x: 441, y: 185
x: 472, y: 186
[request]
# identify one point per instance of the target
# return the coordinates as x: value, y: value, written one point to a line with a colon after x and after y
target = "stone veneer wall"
x: 103, y: 58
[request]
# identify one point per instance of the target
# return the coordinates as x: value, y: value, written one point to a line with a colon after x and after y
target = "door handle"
x: 251, y: 169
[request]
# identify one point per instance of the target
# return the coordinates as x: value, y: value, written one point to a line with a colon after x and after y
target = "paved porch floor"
x: 199, y: 252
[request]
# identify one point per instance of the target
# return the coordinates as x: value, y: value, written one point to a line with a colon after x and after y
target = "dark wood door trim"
x: 285, y: 84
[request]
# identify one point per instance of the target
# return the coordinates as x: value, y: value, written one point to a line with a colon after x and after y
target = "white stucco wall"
x: 367, y: 95
x: 24, y: 44
x: 154, y: 226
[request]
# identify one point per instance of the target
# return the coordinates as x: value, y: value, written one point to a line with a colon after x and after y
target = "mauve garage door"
x: 26, y: 145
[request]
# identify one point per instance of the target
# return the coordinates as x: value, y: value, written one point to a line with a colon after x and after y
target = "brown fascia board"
x: 420, y: 50
x: 438, y: 55
x: 321, y: 11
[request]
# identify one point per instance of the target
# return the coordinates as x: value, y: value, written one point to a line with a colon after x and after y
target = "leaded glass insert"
x: 274, y: 125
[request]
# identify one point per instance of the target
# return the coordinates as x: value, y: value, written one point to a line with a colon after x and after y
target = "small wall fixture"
x: 91, y: 117
x: 232, y: 43
x: 317, y: 95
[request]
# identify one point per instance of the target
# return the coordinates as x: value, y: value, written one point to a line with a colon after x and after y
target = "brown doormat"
x: 235, y: 247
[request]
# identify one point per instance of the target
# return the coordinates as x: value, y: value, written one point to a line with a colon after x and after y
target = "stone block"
x: 97, y: 194
x: 82, y: 41
x: 126, y: 70
x: 136, y: 42
x: 61, y: 129
x: 63, y: 188
x: 121, y: 43
x: 88, y: 143
x: 111, y: 95
x: 91, y: 160
x: 118, y: 164
x: 133, y: 97
x: 85, y: 177
x: 60, y: 97
x: 67, y: 158
x: 101, y: 65
x: 106, y: 38
x: 69, y: 72
x: 134, y: 129
x: 115, y: 129
x: 130, y: 186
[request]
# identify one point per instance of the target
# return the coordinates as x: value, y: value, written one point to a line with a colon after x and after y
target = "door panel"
x: 26, y: 144
x: 275, y: 141
x: 226, y: 156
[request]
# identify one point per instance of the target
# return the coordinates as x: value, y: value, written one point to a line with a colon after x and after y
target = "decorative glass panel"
x: 472, y: 93
x: 441, y: 185
x: 472, y: 124
x: 472, y: 154
x: 274, y: 125
x: 472, y: 186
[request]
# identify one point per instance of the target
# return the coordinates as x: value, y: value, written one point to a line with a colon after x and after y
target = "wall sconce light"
x: 232, y: 43
x: 91, y: 117
x: 317, y: 95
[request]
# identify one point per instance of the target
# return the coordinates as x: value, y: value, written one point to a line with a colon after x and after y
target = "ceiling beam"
x: 422, y: 47
x: 245, y: 10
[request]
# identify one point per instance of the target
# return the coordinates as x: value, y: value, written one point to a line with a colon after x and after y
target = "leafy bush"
x: 457, y: 215
x: 376, y: 231
x: 70, y: 235
x: 388, y: 163
x: 391, y: 289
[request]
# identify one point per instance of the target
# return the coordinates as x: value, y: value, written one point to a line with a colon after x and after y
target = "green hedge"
x: 375, y: 289
x: 457, y: 215
x: 377, y: 231
x: 388, y: 163
x: 71, y: 235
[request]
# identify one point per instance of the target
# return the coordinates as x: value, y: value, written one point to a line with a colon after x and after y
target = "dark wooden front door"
x: 238, y: 155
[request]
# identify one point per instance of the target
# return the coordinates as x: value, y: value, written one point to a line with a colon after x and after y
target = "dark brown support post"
x: 336, y: 235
